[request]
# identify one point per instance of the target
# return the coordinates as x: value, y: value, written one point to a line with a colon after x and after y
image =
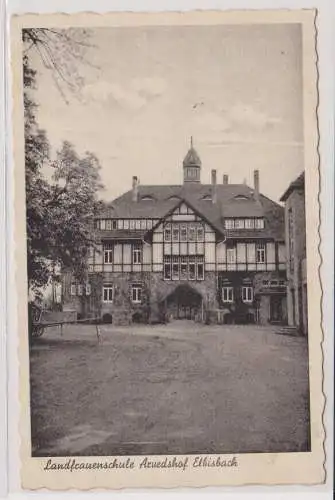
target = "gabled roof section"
x: 233, y: 200
x: 298, y: 183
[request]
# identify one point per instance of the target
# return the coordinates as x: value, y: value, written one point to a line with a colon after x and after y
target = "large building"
x: 295, y: 235
x: 209, y: 252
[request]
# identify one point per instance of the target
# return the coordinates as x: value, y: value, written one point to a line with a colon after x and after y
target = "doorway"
x: 276, y: 309
x: 184, y: 303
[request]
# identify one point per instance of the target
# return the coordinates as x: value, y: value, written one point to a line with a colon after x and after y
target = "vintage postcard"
x: 167, y: 262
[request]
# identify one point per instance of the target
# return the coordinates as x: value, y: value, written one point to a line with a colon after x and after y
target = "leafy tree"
x: 58, y: 213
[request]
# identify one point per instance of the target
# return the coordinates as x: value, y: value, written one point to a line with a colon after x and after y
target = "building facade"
x: 208, y: 252
x: 295, y: 236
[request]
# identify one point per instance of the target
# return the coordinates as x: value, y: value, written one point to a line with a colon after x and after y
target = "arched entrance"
x: 184, y: 303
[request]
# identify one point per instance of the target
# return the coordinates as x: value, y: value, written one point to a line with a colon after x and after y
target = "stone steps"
x: 288, y: 330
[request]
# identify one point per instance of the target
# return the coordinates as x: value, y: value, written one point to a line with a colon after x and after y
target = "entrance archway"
x: 184, y: 303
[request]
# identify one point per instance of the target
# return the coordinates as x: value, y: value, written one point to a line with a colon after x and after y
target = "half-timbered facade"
x: 209, y: 252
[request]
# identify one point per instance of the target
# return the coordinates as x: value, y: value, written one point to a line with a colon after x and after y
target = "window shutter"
x: 88, y: 289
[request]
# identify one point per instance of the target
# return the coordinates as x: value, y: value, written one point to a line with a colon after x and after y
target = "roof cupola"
x: 192, y: 165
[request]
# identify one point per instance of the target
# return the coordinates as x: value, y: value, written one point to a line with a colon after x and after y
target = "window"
x: 80, y: 289
x: 191, y: 269
x: 167, y: 232
x: 138, y: 224
x: 137, y: 254
x: 249, y: 223
x: 108, y: 253
x: 200, y: 268
x: 167, y: 267
x: 239, y: 224
x: 73, y: 289
x: 260, y: 253
x: 266, y: 282
x: 175, y: 267
x: 108, y: 293
x: 247, y: 294
x: 88, y: 289
x: 229, y: 223
x: 200, y: 233
x: 103, y: 224
x: 108, y: 225
x: 126, y: 224
x: 183, y: 233
x: 175, y: 233
x: 191, y: 233
x: 97, y: 224
x: 147, y: 198
x: 227, y: 294
x: 136, y: 293
x: 120, y: 224
x: 149, y: 224
x: 143, y: 224
x: 114, y: 224
x: 132, y: 224
x: 231, y: 255
x: 183, y: 268
x: 259, y: 223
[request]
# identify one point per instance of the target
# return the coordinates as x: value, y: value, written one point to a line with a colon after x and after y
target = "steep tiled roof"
x: 233, y: 200
x: 298, y: 183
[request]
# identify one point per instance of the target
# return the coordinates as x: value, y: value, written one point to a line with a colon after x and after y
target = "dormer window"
x: 241, y: 197
x: 255, y: 223
x: 147, y: 198
x: 259, y: 223
x: 207, y: 197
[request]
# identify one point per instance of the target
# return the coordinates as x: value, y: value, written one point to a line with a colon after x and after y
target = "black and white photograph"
x: 166, y: 255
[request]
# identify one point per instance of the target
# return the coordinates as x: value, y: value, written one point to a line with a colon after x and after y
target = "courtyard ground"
x: 180, y: 388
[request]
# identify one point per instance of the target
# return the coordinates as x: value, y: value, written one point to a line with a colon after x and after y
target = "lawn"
x: 181, y: 388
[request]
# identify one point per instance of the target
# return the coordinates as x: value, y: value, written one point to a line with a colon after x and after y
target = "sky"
x: 236, y: 89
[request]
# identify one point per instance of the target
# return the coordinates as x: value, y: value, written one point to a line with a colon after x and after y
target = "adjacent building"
x: 295, y: 235
x: 211, y: 252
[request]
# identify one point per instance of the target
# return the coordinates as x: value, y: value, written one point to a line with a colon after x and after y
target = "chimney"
x: 225, y: 180
x: 135, y: 189
x: 214, y: 191
x: 256, y: 185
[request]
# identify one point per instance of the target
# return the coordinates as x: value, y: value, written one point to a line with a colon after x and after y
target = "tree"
x: 72, y: 207
x: 58, y: 213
